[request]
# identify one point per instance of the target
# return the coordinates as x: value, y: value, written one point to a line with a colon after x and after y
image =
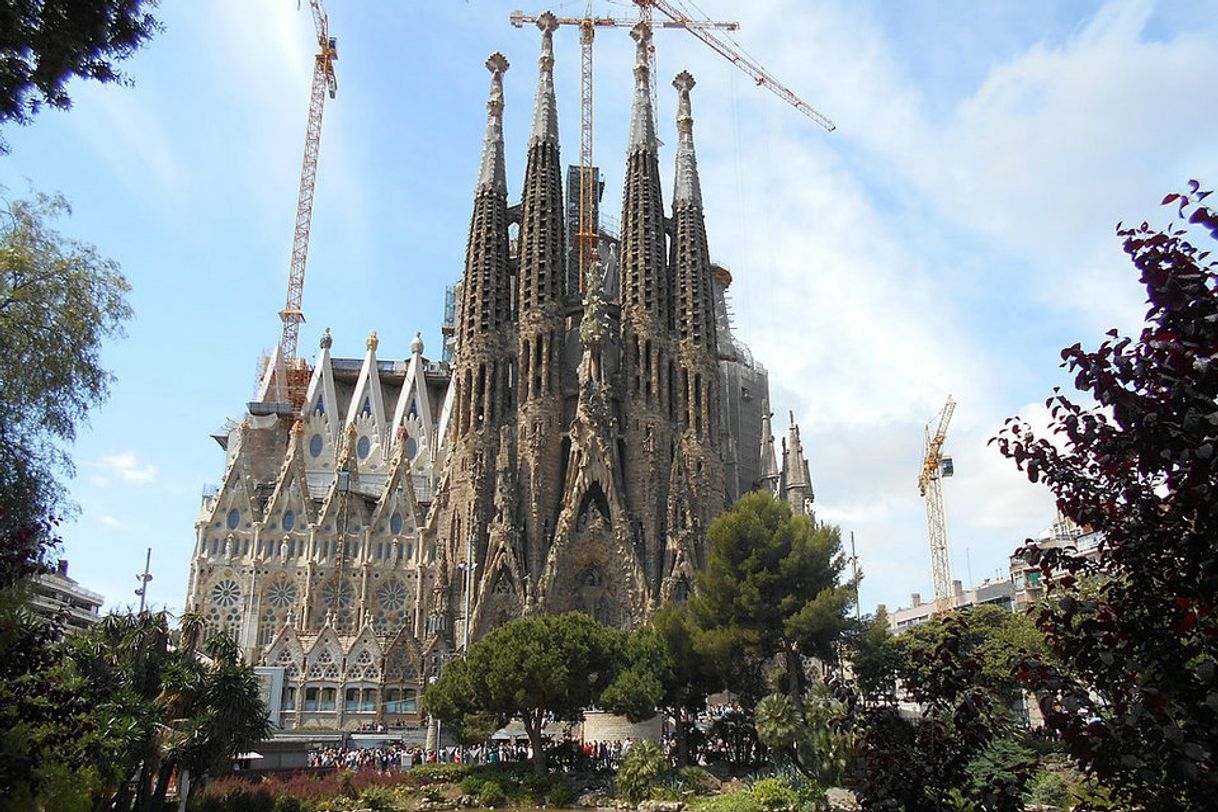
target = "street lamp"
x: 144, y: 578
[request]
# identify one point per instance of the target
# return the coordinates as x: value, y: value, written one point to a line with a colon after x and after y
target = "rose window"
x: 282, y: 594
x: 393, y: 595
x: 338, y: 595
x: 226, y: 593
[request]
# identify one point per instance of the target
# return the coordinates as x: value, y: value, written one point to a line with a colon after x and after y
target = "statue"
x: 594, y: 328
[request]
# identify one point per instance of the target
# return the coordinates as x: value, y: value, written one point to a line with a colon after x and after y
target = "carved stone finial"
x: 416, y: 344
x: 497, y: 63
x: 298, y: 427
x: 684, y: 82
x: 547, y: 22
x: 373, y: 342
x: 326, y: 339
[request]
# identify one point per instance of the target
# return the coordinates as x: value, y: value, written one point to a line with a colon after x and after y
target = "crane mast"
x: 325, y: 83
x: 935, y: 467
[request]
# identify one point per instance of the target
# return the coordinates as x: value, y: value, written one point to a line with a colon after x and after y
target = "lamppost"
x: 144, y: 578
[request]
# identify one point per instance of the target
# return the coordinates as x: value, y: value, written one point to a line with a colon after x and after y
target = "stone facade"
x: 570, y: 457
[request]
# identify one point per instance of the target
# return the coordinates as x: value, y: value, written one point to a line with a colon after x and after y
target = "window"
x: 398, y: 700
x: 368, y: 701
x: 311, y: 703
x: 234, y: 519
x: 289, y: 520
x: 351, y: 700
x: 289, y: 697
x: 327, y: 698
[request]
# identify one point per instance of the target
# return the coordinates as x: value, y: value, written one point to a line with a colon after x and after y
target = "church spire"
x: 485, y: 296
x: 694, y: 312
x: 545, y: 110
x: 642, y: 117
x: 769, y: 463
x: 645, y: 287
x: 542, y: 252
x: 796, y: 477
x: 492, y: 176
x: 687, y: 190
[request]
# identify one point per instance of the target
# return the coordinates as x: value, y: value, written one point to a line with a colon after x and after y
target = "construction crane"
x: 324, y: 83
x: 759, y: 74
x: 935, y: 467
x: 586, y: 234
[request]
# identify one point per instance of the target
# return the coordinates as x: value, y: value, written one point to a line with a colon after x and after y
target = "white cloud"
x: 127, y: 467
x: 929, y: 249
x: 111, y: 522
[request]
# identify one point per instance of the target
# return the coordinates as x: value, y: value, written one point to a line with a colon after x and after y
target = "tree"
x: 59, y: 299
x: 997, y: 638
x: 529, y: 669
x: 103, y: 718
x: 45, y: 44
x: 1134, y: 697
x: 875, y: 657
x: 663, y: 671
x: 902, y: 766
x: 772, y: 589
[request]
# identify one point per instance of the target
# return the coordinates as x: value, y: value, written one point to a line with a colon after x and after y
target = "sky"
x: 952, y: 234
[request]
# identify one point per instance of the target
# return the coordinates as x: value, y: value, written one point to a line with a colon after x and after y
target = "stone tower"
x: 483, y: 378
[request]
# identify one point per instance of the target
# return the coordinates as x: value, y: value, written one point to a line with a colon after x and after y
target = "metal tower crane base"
x: 935, y: 466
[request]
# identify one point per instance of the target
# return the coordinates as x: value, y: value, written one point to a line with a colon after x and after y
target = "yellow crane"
x: 586, y: 234
x: 325, y: 83
x: 935, y: 467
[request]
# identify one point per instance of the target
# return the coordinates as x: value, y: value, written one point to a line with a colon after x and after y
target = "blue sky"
x: 950, y: 236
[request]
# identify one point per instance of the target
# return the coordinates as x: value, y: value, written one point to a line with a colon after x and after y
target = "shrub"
x: 639, y: 768
x: 471, y: 783
x: 491, y: 794
x: 808, y: 793
x: 773, y: 795
x: 233, y: 796
x: 697, y: 779
x: 741, y: 801
x: 561, y: 794
x: 425, y: 774
x: 288, y: 803
x: 1047, y: 789
x: 378, y: 799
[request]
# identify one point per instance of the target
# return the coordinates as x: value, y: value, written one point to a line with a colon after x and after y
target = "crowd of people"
x: 566, y: 754
x: 718, y: 736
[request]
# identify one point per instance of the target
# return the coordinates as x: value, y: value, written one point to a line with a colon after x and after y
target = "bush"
x: 773, y: 795
x: 288, y: 803
x: 426, y: 774
x: 808, y: 793
x: 741, y: 801
x: 697, y: 780
x: 378, y: 799
x: 491, y: 794
x: 471, y: 783
x: 1047, y: 789
x: 561, y: 794
x: 233, y: 796
x: 639, y: 768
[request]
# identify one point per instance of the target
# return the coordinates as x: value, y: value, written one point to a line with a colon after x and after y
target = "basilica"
x: 567, y: 451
